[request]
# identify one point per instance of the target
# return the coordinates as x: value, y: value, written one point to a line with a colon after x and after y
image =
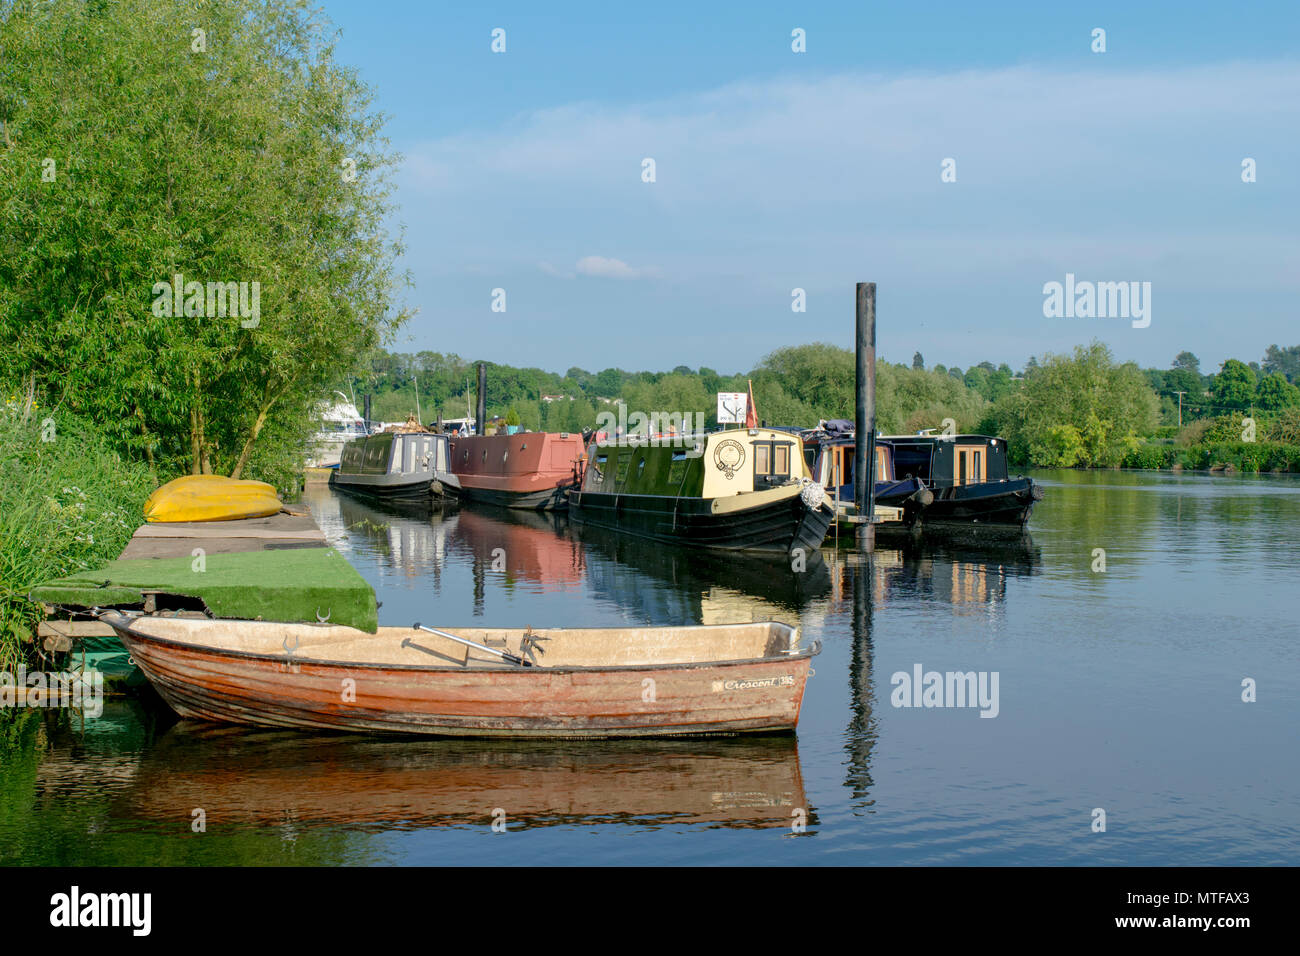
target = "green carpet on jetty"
x: 290, y: 584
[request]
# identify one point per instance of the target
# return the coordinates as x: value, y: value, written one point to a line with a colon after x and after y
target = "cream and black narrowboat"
x: 740, y: 490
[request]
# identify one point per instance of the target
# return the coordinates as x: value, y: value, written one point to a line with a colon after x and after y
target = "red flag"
x: 751, y: 413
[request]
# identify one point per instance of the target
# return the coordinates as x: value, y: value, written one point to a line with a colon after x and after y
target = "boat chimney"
x: 864, y: 440
x: 482, y: 399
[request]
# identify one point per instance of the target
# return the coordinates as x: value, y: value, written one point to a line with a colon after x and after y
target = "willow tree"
x: 219, y: 142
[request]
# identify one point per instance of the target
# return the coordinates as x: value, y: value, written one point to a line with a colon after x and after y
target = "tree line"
x: 1081, y: 408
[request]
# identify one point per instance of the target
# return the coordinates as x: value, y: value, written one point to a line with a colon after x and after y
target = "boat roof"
x: 924, y: 438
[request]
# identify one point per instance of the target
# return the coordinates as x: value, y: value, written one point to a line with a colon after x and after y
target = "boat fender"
x: 924, y: 497
x: 812, y: 494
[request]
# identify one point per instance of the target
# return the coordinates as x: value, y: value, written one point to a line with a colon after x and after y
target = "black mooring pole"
x: 864, y: 444
x: 482, y: 399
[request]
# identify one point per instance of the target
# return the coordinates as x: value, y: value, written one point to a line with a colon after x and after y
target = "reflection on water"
x: 264, y: 777
x: 1119, y: 689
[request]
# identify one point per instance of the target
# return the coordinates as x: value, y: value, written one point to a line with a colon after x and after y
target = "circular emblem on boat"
x: 728, y: 456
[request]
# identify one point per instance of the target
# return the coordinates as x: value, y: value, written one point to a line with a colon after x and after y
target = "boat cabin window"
x: 624, y: 462
x: 771, y: 463
x: 970, y: 464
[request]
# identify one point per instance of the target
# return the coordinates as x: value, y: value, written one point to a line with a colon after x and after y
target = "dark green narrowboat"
x: 739, y: 489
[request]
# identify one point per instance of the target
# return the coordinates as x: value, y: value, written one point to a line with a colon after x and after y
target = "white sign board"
x: 732, y: 407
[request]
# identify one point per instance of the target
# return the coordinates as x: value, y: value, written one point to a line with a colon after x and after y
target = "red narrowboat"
x: 531, y: 470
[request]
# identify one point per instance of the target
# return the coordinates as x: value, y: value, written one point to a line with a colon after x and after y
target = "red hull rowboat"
x: 526, y: 470
x: 586, y: 682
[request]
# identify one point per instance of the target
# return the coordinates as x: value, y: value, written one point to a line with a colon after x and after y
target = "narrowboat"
x: 530, y: 470
x: 968, y: 476
x: 945, y: 484
x: 738, y: 489
x: 830, y: 453
x: 396, y: 465
x: 561, y: 682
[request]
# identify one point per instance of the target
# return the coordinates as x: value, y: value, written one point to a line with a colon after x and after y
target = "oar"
x: 511, y: 658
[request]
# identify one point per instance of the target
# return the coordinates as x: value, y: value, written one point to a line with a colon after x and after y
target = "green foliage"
x: 67, y: 504
x: 1283, y: 360
x: 223, y: 164
x: 1275, y: 392
x: 1234, y: 386
x: 1083, y: 409
x: 820, y: 375
x: 1284, y: 427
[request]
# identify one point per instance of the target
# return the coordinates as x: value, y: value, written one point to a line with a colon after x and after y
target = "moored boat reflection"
x: 251, y: 778
x: 697, y: 586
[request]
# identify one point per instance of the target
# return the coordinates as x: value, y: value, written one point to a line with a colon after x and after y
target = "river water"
x: 1119, y: 701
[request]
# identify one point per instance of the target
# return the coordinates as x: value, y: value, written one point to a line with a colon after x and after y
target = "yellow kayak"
x: 211, y: 498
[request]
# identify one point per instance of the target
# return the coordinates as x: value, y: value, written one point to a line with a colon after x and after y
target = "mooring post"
x: 366, y: 414
x: 482, y: 399
x: 864, y: 441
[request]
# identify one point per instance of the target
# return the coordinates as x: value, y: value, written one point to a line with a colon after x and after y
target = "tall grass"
x: 68, y: 503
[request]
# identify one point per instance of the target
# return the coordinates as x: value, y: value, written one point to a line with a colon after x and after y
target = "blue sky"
x: 777, y: 171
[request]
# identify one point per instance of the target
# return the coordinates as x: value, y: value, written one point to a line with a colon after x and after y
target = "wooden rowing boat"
x: 586, y: 682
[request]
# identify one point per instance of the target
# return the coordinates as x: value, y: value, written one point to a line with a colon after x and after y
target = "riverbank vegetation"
x: 68, y: 502
x: 194, y: 243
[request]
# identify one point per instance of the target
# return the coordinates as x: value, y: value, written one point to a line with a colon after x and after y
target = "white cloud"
x: 601, y: 267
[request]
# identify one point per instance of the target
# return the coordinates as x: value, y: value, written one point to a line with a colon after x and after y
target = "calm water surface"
x: 1118, y: 689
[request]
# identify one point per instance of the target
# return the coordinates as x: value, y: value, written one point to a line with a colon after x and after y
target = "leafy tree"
x: 918, y: 361
x: 1083, y: 409
x: 609, y: 383
x: 1284, y: 360
x: 1276, y: 393
x: 977, y: 379
x: 1234, y: 386
x: 1187, y: 362
x: 224, y: 160
x: 820, y: 375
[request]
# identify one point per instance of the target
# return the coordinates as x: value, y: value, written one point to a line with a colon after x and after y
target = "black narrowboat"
x: 968, y: 477
x: 945, y: 484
